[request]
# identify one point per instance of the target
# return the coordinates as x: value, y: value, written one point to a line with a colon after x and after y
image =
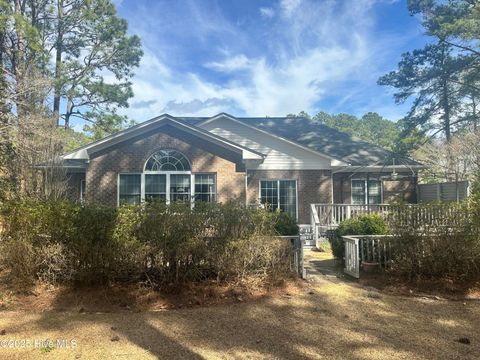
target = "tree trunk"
x: 18, y: 65
x: 446, y: 114
x: 58, y: 62
x: 474, y: 114
x: 445, y: 98
x: 68, y: 113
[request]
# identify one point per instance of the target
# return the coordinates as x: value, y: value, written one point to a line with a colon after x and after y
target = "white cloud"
x: 313, y: 50
x: 267, y: 12
x: 234, y: 63
x: 294, y: 85
x: 289, y: 6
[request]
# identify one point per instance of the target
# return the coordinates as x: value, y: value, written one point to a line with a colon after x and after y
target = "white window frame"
x: 278, y: 192
x: 214, y: 183
x: 167, y: 171
x: 366, y: 190
x: 167, y: 186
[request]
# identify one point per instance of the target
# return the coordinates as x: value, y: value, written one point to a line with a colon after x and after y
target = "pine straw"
x: 329, y: 320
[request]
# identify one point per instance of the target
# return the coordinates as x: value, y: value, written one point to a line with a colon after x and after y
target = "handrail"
x: 331, y: 215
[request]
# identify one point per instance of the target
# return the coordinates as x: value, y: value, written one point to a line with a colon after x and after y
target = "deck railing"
x: 325, y: 217
x: 334, y: 214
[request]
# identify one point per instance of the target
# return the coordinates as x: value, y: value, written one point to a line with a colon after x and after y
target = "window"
x: 179, y: 187
x: 269, y: 193
x: 280, y: 194
x: 288, y: 197
x: 167, y: 160
x: 359, y: 192
x: 155, y: 187
x: 374, y: 192
x: 167, y: 177
x: 130, y: 189
x: 205, y: 187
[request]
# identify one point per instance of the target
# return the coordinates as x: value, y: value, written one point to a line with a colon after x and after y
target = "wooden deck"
x: 325, y: 217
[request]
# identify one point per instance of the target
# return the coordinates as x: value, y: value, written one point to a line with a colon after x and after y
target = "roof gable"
x: 341, y: 148
x: 331, y: 141
x: 156, y: 123
x: 335, y: 161
x: 322, y: 139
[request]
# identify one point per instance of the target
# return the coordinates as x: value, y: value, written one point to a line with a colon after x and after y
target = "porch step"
x: 306, y: 234
x: 310, y: 242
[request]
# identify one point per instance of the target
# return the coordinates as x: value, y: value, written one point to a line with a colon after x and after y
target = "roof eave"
x: 334, y: 161
x: 86, y: 151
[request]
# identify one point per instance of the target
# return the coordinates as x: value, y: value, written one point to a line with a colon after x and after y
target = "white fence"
x: 449, y: 191
x: 366, y: 248
x: 352, y: 260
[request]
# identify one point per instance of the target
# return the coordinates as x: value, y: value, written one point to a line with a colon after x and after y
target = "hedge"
x: 61, y: 241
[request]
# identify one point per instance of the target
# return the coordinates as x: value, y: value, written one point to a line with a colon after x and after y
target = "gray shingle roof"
x: 321, y: 138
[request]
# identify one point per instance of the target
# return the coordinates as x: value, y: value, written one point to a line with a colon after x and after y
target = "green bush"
x: 168, y: 244
x: 285, y: 224
x: 448, y: 247
x: 368, y: 224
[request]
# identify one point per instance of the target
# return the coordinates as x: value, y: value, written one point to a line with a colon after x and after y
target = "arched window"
x: 167, y: 160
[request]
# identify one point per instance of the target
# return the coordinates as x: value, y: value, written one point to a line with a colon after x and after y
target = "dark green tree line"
x: 59, y: 60
x: 441, y: 79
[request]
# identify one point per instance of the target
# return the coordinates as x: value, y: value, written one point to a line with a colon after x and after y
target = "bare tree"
x: 456, y: 160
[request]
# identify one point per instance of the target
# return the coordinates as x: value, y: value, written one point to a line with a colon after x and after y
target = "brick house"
x: 286, y: 162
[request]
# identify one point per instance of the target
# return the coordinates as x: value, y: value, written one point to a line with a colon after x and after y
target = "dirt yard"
x: 328, y: 318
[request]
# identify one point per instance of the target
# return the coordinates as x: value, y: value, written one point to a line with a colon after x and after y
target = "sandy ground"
x: 330, y: 318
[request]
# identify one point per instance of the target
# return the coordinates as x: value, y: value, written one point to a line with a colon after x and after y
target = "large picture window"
x: 205, y: 187
x: 360, y: 195
x: 155, y: 187
x: 167, y: 177
x: 180, y: 189
x: 130, y: 189
x: 280, y: 194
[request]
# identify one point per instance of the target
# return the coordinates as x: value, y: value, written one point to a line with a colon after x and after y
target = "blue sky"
x: 267, y: 58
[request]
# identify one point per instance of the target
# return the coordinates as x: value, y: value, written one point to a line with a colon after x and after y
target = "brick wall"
x: 403, y: 189
x: 313, y: 186
x: 130, y: 157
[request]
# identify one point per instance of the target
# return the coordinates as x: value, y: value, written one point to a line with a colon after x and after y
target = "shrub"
x: 286, y: 224
x: 170, y: 244
x: 448, y: 248
x: 18, y: 257
x: 368, y: 224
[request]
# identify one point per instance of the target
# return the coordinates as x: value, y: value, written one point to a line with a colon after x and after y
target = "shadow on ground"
x: 328, y: 319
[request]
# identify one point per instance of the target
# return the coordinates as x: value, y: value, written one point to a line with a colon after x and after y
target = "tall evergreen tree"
x: 431, y: 77
x: 457, y: 23
x: 90, y: 43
